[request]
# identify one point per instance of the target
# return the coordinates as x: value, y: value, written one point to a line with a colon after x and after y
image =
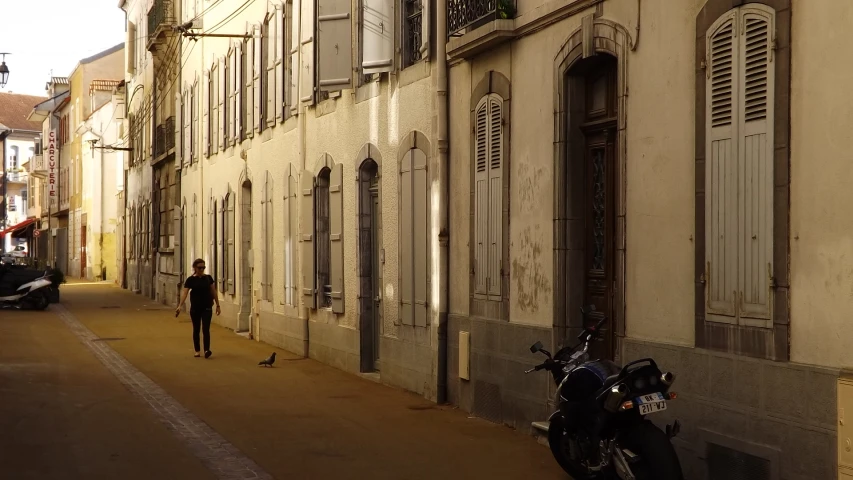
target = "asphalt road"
x: 105, y: 386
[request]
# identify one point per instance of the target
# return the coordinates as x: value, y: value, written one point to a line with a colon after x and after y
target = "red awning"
x: 19, y: 226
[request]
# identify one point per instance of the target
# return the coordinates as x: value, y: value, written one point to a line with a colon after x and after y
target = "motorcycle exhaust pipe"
x: 667, y: 378
x: 615, y: 397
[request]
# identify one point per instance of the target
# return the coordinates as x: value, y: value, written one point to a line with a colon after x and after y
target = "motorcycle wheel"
x: 564, y: 446
x: 40, y: 302
x: 658, y: 460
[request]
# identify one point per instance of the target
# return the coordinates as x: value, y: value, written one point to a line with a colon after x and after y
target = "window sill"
x: 414, y: 73
x: 367, y: 91
x: 326, y: 107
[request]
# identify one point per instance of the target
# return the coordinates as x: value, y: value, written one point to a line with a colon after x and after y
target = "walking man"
x: 202, y: 291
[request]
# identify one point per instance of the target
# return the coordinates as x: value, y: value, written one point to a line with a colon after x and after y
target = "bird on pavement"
x: 269, y: 361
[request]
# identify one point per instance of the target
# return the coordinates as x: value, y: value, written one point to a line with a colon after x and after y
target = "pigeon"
x: 269, y: 361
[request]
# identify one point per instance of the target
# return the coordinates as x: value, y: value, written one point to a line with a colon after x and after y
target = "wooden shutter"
x: 248, y: 124
x: 130, y: 48
x: 495, y: 225
x: 257, y: 75
x: 186, y: 144
x: 377, y: 36
x: 268, y: 234
x: 295, y: 58
x: 232, y: 96
x: 426, y: 18
x: 222, y: 98
x: 179, y: 125
x: 481, y: 196
x: 720, y: 170
x: 292, y: 239
x: 407, y: 265
x: 211, y: 242
x: 336, y: 236
x: 221, y: 245
x: 334, y: 44
x: 306, y: 251
x: 270, y: 57
x: 755, y: 138
x: 178, y: 218
x: 306, y: 87
x: 205, y: 108
x: 194, y: 131
x: 232, y: 265
x: 277, y: 43
x: 420, y: 235
x: 238, y: 93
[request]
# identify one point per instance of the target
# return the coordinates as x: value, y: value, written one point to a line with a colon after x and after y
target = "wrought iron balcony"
x: 164, y: 137
x: 469, y: 14
x: 161, y: 19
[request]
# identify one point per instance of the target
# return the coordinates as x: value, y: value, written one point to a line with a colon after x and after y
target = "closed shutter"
x: 186, y: 144
x: 179, y: 129
x: 377, y: 36
x: 248, y: 124
x: 178, y: 218
x: 268, y: 234
x: 278, y: 43
x: 257, y: 74
x: 295, y: 58
x: 194, y: 132
x: 270, y: 56
x: 336, y: 236
x: 306, y: 251
x: 420, y: 218
x: 211, y: 241
x: 334, y: 44
x: 721, y: 191
x: 232, y: 265
x: 306, y: 42
x: 495, y: 195
x: 406, y: 250
x: 755, y: 245
x: 426, y: 19
x: 292, y: 272
x: 221, y: 245
x: 222, y: 98
x: 130, y: 48
x: 238, y: 93
x: 205, y: 108
x: 481, y: 197
x: 232, y: 95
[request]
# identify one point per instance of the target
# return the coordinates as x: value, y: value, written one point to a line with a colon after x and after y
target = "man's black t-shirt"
x: 200, y: 296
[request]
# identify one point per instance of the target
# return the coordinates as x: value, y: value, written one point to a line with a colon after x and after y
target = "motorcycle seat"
x: 609, y: 381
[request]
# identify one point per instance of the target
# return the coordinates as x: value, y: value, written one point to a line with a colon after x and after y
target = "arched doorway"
x: 591, y: 200
x: 369, y: 265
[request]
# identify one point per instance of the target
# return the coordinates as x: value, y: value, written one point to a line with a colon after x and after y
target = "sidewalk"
x: 302, y: 419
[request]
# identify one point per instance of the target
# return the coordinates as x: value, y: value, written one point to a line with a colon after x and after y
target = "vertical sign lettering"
x: 52, y: 164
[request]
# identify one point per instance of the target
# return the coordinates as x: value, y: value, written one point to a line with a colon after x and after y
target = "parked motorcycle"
x: 600, y: 430
x: 22, y: 288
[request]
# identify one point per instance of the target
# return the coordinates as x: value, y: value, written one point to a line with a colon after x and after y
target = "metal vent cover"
x: 487, y: 401
x: 726, y: 463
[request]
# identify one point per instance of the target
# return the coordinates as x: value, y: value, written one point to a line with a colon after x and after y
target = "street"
x: 105, y: 386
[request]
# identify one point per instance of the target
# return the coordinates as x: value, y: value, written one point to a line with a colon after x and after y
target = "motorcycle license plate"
x: 652, y: 403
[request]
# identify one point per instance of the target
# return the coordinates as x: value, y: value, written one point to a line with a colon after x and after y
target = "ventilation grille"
x: 728, y: 464
x: 487, y: 401
x: 721, y: 75
x: 755, y: 73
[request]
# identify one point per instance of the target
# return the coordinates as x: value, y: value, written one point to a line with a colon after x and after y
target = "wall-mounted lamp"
x: 4, y: 70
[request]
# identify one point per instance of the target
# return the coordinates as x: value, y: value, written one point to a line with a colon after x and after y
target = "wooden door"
x: 600, y: 136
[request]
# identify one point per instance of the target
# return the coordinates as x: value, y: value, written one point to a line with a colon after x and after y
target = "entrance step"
x: 540, y: 431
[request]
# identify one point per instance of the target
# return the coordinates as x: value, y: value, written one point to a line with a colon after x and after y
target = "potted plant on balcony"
x: 506, y: 9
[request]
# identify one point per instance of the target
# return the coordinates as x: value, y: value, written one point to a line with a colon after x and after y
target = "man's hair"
x: 197, y: 261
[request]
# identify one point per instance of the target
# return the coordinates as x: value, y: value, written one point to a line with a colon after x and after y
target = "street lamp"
x: 4, y: 71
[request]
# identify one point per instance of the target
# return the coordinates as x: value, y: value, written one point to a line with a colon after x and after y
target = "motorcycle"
x: 600, y: 430
x: 20, y: 289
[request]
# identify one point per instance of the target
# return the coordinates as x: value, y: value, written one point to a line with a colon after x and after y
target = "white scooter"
x: 34, y: 294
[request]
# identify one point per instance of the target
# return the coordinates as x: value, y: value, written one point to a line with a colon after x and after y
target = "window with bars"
x: 739, y: 167
x: 412, y: 31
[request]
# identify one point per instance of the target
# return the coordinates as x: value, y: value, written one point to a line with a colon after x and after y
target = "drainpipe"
x: 443, y: 200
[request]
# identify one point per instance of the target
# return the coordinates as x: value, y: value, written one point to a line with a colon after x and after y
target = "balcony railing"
x: 161, y: 14
x: 463, y: 14
x: 16, y: 177
x: 38, y: 167
x: 164, y: 137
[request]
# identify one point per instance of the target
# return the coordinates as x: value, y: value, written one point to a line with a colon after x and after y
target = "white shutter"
x: 755, y: 138
x: 720, y: 172
x: 205, y: 108
x: 268, y: 234
x: 334, y: 44
x: 377, y: 36
x: 232, y: 95
x: 407, y: 264
x: 257, y: 74
x: 309, y: 277
x: 187, y: 125
x: 495, y: 233
x: 306, y: 87
x: 248, y: 123
x: 336, y: 237
x: 481, y: 196
x: 426, y: 17
x: 130, y: 49
x: 194, y: 132
x: 292, y: 270
x: 277, y: 44
x: 179, y: 123
x: 222, y: 98
x: 295, y: 59
x: 420, y: 247
x: 238, y: 93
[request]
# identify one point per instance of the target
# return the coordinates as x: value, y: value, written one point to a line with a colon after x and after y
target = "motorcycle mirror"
x: 536, y: 347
